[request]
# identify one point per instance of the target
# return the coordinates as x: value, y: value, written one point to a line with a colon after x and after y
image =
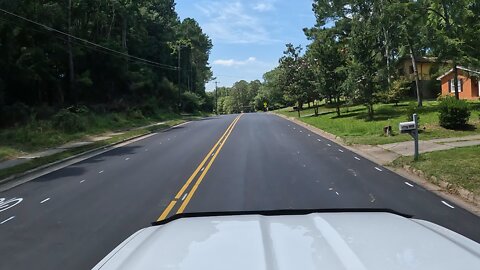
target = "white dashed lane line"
x: 378, y: 169
x: 408, y: 184
x: 127, y: 158
x: 356, y: 158
x: 340, y: 150
x: 329, y: 144
x: 82, y: 181
x: 100, y: 172
x: 308, y: 135
x: 7, y: 220
x: 447, y: 204
x: 319, y: 140
x: 44, y: 201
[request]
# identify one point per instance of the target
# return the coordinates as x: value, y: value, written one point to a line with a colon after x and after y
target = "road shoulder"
x: 385, y: 158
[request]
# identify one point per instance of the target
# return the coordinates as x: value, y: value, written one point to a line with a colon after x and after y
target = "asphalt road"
x: 72, y: 218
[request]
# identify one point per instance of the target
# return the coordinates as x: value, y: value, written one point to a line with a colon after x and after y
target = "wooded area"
x: 356, y: 47
x: 107, y: 55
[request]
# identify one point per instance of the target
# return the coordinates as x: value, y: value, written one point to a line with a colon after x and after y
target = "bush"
x: 191, y: 102
x: 69, y: 122
x: 135, y: 114
x: 397, y: 92
x: 454, y: 113
x: 150, y: 108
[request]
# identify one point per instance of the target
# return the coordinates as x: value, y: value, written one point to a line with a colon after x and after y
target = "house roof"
x: 422, y: 59
x: 475, y: 73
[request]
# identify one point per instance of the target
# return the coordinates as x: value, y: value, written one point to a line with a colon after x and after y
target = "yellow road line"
x: 190, y: 179
x: 194, y: 188
x: 167, y: 210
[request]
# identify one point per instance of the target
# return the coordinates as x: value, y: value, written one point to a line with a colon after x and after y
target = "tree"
x: 453, y: 31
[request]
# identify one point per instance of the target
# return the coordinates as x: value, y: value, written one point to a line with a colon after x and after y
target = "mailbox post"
x: 412, y: 129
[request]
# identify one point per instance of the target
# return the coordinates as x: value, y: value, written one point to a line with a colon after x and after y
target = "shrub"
x: 191, y: 102
x: 454, y: 113
x: 397, y: 92
x: 135, y: 114
x: 69, y: 121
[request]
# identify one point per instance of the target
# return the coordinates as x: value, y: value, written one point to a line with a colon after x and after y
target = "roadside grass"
x: 459, y: 166
x: 37, y: 162
x: 355, y: 128
x: 40, y: 135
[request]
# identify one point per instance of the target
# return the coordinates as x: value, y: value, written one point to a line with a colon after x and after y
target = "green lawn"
x: 459, y: 166
x: 353, y: 126
x: 34, y: 163
x: 39, y: 135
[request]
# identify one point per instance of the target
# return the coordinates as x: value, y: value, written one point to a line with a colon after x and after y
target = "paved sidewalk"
x: 62, y: 148
x: 407, y: 148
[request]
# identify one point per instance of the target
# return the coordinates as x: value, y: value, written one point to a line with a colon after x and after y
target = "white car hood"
x: 314, y: 241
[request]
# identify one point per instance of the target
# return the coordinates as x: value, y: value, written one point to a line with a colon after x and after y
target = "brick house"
x: 468, y: 83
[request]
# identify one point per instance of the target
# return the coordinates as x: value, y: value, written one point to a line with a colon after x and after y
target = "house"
x: 468, y: 83
x: 426, y: 66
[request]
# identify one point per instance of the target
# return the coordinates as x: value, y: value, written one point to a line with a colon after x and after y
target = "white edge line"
x: 408, y: 184
x: 378, y: 169
x: 46, y: 200
x: 451, y: 206
x: 7, y: 220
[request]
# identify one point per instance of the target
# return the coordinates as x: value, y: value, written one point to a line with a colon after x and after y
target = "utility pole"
x: 179, y: 73
x: 216, y: 97
x: 71, y: 69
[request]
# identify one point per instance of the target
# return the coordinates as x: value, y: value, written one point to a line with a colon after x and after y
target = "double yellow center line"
x: 210, y: 158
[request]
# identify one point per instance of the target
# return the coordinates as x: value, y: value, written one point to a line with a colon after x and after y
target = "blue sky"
x: 248, y: 36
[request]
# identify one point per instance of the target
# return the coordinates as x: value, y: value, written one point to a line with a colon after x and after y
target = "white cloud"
x: 263, y: 6
x: 232, y: 22
x: 232, y: 62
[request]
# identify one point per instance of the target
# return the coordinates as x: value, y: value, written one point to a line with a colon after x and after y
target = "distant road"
x: 71, y: 218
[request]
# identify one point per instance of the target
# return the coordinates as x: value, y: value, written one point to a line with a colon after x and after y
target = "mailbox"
x: 407, y: 127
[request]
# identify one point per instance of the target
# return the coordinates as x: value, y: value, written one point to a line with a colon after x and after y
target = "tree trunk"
x: 387, y: 56
x: 337, y: 105
x: 415, y: 74
x: 71, y: 68
x: 111, y: 23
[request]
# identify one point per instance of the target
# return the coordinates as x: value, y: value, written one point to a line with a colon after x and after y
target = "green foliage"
x: 398, y: 91
x: 35, y: 66
x: 15, y: 114
x: 69, y: 121
x: 191, y: 102
x: 454, y: 113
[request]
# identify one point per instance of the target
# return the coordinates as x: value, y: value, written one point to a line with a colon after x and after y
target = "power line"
x: 97, y: 46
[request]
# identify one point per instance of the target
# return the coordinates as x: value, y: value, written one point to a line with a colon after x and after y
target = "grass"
x: 355, y: 128
x: 459, y: 166
x: 34, y: 163
x: 40, y: 135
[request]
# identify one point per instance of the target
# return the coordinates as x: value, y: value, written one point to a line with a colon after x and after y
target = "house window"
x: 452, y: 85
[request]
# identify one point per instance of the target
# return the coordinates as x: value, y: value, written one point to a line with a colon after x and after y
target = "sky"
x: 248, y: 36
